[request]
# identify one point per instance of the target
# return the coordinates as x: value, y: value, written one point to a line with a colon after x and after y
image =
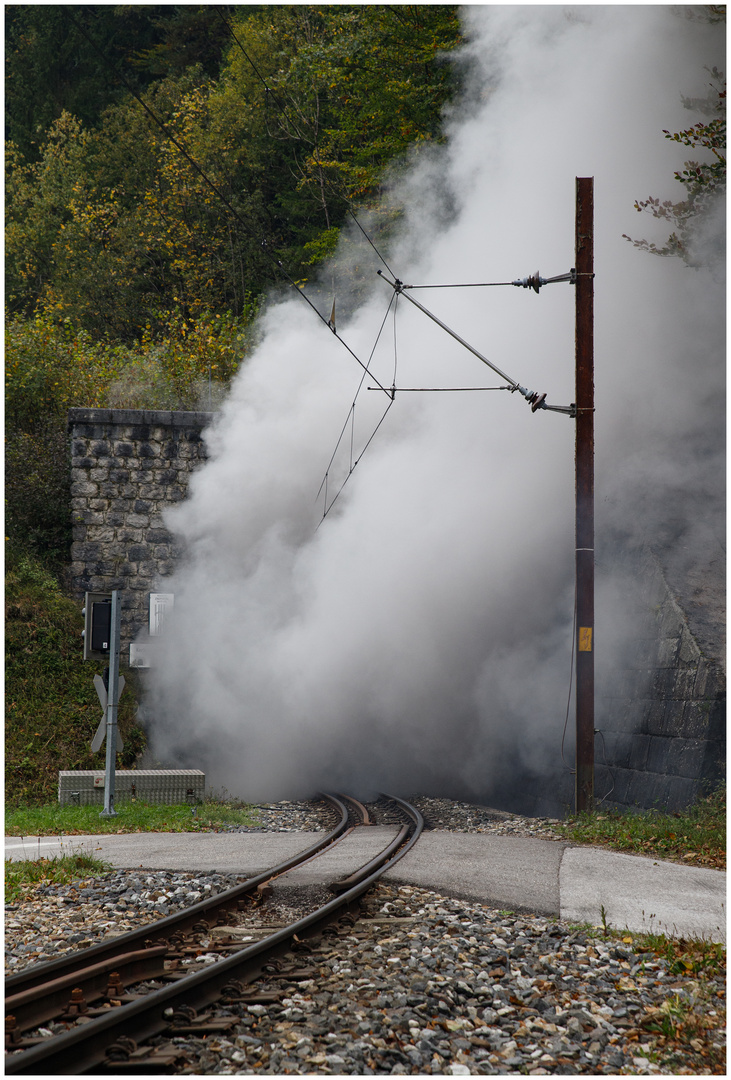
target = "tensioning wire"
x: 267, y: 88
x: 365, y: 234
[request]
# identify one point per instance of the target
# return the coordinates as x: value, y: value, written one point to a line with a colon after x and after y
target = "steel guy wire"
x: 607, y: 766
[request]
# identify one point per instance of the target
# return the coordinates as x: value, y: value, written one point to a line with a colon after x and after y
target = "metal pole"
x: 584, y: 494
x: 112, y: 698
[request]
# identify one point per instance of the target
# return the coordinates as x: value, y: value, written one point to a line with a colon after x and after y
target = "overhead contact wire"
x: 370, y: 440
x: 351, y: 411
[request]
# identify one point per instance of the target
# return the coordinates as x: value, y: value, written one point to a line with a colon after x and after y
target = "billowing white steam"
x: 421, y: 637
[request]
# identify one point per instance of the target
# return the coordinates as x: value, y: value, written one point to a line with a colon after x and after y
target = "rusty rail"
x: 40, y: 974
x: 86, y: 1047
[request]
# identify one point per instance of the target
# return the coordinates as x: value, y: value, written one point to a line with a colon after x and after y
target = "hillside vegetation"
x: 162, y: 161
x: 168, y: 168
x: 52, y: 710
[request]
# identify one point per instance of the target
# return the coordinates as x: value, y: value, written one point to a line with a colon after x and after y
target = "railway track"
x: 115, y: 995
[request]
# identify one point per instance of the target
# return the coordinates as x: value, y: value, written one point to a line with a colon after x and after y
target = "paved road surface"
x: 514, y: 873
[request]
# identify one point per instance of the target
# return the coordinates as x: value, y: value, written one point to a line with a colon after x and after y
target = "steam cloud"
x: 420, y: 638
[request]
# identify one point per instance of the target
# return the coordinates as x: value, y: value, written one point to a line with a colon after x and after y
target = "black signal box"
x: 97, y: 625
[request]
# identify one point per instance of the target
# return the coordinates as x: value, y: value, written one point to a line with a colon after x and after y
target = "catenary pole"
x: 584, y: 494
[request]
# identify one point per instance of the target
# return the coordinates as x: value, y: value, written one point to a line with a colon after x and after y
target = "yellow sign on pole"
x: 585, y: 638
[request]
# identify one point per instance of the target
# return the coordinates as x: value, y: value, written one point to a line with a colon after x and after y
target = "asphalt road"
x: 580, y: 884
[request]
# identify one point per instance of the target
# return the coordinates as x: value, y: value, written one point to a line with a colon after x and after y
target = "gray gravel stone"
x: 423, y: 983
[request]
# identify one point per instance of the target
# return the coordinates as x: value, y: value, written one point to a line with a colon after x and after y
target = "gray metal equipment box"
x: 168, y: 786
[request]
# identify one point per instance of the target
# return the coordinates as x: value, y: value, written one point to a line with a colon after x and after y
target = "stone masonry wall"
x: 661, y: 709
x: 127, y: 467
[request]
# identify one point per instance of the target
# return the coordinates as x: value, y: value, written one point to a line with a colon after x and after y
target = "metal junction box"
x: 97, y: 613
x: 168, y: 786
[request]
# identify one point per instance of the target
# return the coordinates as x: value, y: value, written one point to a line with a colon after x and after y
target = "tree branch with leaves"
x: 697, y: 235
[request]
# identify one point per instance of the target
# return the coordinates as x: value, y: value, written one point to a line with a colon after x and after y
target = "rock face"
x: 661, y: 700
x: 127, y: 467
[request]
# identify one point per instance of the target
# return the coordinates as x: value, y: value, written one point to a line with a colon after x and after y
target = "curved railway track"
x: 69, y: 988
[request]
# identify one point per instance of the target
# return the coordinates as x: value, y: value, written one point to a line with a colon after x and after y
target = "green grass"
x: 697, y: 836
x: 684, y: 956
x: 22, y: 877
x: 51, y: 707
x: 681, y: 1030
x: 133, y: 816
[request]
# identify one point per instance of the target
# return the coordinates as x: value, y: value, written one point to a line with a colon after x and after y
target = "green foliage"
x: 133, y: 815
x: 360, y: 87
x: 37, y: 475
x: 110, y: 224
x: 52, y: 710
x: 697, y: 836
x: 22, y: 877
x: 695, y: 238
x: 131, y: 282
x: 66, y: 58
x: 51, y: 367
x: 47, y: 369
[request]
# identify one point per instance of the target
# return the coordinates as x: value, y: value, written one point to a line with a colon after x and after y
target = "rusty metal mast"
x: 582, y: 276
x: 584, y: 494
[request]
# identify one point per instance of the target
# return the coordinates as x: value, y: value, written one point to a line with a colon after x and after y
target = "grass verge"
x: 696, y: 837
x: 686, y: 1033
x: 21, y: 878
x: 53, y: 819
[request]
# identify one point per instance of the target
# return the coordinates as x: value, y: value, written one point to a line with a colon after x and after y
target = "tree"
x: 65, y: 58
x: 697, y: 220
x: 118, y: 228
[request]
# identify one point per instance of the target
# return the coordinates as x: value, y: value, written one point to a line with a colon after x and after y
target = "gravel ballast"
x: 422, y: 984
